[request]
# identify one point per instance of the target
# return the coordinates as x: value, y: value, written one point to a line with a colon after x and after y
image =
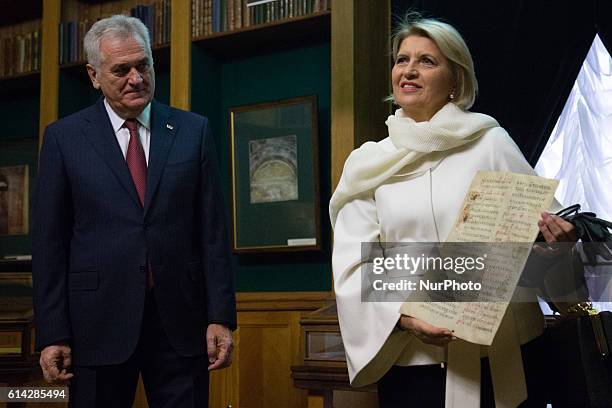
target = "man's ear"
x: 92, y: 75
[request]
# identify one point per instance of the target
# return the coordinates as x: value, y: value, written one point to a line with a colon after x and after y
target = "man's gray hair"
x: 117, y: 27
x: 451, y: 44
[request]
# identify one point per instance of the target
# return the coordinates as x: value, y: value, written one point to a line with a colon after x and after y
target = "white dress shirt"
x: 123, y: 134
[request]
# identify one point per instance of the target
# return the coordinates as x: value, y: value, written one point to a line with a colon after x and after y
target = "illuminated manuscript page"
x: 499, y: 207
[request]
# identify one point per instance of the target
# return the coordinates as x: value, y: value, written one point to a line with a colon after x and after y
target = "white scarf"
x: 370, y: 165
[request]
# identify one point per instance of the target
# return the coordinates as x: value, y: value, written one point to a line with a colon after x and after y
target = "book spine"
x: 28, y: 52
x: 238, y: 13
x: 2, y: 58
x: 167, y: 16
x: 223, y: 15
x: 200, y: 7
x: 151, y: 21
x: 61, y: 43
x: 209, y: 29
x: 36, y: 40
x: 206, y: 17
x: 66, y: 43
x: 20, y: 50
x: 10, y: 45
x: 216, y: 16
x: 194, y: 13
x: 82, y: 32
x: 73, y: 41
x: 228, y: 17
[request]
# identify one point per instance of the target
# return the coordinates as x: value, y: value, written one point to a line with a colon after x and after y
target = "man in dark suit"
x: 131, y: 258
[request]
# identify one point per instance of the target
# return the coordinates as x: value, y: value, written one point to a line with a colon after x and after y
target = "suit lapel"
x: 101, y: 135
x: 163, y: 131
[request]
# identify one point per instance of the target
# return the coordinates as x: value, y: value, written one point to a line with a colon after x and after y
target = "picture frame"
x: 14, y: 200
x: 275, y: 176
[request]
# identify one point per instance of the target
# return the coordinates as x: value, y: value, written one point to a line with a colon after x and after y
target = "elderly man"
x: 131, y: 260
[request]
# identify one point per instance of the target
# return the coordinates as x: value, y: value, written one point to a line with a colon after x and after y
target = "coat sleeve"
x: 505, y: 155
x: 370, y: 341
x: 51, y: 234
x: 563, y: 277
x: 220, y: 295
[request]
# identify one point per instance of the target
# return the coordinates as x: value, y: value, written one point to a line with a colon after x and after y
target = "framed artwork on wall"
x: 275, y: 176
x: 14, y: 189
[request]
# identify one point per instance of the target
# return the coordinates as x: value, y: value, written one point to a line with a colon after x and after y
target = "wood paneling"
x: 49, y: 72
x: 343, y: 89
x: 180, y: 55
x: 268, y: 343
x: 360, y: 76
x: 268, y: 301
x: 355, y: 399
x: 269, y: 347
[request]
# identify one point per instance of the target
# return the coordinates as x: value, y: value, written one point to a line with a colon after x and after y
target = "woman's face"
x: 422, y: 78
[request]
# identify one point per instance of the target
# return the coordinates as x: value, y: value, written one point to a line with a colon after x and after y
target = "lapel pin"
x: 169, y: 126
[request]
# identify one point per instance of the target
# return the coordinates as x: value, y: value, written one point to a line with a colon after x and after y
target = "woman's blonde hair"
x: 451, y: 44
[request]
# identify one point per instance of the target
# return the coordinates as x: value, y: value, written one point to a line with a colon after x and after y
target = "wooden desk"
x: 324, y: 373
x: 18, y: 358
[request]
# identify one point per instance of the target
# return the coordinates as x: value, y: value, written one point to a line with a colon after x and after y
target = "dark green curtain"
x: 527, y: 55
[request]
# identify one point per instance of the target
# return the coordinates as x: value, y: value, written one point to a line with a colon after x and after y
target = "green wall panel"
x: 15, y: 152
x: 162, y: 87
x: 76, y: 91
x: 270, y: 77
x: 19, y: 112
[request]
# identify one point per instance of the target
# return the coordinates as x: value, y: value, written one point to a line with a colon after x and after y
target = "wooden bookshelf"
x: 161, y: 57
x: 49, y: 75
x: 26, y: 82
x: 20, y: 49
x: 180, y: 55
x: 355, y: 31
x: 8, y: 266
x: 361, y: 76
x: 15, y: 12
x: 22, y: 75
x: 273, y: 36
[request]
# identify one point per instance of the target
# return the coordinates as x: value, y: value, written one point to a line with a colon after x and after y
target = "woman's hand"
x: 426, y: 332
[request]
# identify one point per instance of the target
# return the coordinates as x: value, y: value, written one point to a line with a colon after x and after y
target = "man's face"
x: 124, y: 76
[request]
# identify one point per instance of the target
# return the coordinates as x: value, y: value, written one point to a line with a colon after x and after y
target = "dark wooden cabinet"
x: 324, y: 372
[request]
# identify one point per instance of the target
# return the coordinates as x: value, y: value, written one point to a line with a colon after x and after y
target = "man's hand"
x: 427, y: 333
x: 219, y: 345
x: 55, y: 361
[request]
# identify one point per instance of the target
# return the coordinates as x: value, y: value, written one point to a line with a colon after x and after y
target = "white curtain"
x: 579, y: 151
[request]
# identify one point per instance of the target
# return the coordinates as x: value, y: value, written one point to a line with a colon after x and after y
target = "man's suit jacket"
x: 92, y: 239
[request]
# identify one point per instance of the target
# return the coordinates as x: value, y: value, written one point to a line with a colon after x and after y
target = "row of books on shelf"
x: 20, y: 54
x: 156, y: 16
x: 216, y: 16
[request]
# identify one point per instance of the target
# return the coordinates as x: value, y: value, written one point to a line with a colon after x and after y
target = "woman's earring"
x: 451, y: 96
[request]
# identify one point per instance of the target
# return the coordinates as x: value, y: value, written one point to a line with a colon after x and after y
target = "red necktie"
x: 136, y: 161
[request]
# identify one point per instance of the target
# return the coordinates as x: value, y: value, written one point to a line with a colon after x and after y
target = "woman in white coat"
x: 409, y: 188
